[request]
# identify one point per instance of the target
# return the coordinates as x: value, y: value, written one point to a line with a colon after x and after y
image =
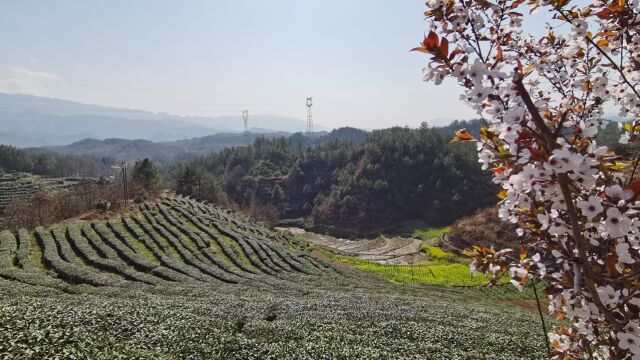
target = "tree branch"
x: 546, y: 133
x: 563, y: 180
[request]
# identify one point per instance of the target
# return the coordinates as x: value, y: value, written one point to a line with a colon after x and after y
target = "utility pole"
x: 245, y: 117
x: 125, y: 186
x: 309, y: 120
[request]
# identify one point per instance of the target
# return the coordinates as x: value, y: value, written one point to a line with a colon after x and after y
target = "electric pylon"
x: 309, y: 120
x: 245, y: 117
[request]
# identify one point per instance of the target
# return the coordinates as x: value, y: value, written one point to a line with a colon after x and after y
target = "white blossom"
x: 615, y: 224
x: 629, y: 342
x: 590, y: 208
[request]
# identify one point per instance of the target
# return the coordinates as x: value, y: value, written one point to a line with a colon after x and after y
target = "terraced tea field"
x: 24, y: 186
x: 178, y: 279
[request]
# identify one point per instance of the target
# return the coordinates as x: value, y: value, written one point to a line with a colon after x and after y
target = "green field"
x: 444, y: 269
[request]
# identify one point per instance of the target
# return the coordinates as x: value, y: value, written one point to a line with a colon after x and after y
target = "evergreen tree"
x: 146, y: 173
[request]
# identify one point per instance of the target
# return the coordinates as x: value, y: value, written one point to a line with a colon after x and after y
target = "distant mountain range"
x: 28, y: 121
x: 162, y: 152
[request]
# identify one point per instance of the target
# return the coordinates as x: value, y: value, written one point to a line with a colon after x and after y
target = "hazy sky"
x: 215, y: 58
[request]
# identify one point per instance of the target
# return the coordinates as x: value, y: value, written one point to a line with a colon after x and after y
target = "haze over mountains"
x: 27, y: 121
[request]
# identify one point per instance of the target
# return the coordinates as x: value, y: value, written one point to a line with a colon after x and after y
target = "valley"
x: 200, y: 262
x: 320, y: 180
x: 176, y: 278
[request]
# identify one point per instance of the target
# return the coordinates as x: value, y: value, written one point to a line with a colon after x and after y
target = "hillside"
x: 120, y: 149
x: 50, y: 163
x: 349, y: 182
x: 181, y: 279
x: 161, y: 152
x: 24, y: 186
x: 181, y: 237
x: 216, y: 142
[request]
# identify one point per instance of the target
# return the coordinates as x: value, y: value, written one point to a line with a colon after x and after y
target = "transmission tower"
x: 245, y: 117
x: 309, y: 118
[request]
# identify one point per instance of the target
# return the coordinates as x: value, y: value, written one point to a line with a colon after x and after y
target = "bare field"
x: 383, y: 250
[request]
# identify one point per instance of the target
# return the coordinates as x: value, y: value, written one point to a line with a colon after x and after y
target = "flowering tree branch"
x: 564, y: 180
x: 575, y: 202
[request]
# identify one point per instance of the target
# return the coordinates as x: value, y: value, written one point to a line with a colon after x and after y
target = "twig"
x: 544, y: 324
x: 635, y: 167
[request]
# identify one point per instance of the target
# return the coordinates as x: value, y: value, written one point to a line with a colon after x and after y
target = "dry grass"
x: 483, y: 228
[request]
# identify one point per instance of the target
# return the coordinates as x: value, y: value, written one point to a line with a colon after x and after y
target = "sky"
x: 213, y: 58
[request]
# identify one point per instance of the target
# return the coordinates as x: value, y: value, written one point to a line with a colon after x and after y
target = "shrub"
x: 484, y: 228
x: 102, y: 205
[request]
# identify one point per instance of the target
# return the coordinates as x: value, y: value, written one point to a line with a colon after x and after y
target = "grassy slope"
x: 445, y: 269
x: 429, y: 233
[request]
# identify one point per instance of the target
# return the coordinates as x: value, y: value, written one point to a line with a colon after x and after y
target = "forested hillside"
x: 160, y: 152
x: 348, y: 180
x: 49, y: 163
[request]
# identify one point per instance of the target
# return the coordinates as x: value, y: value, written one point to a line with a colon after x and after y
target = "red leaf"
x: 552, y: 290
x: 431, y: 41
x: 609, y: 12
x: 454, y: 53
x: 444, y: 48
x: 499, y: 56
x: 610, y: 263
x: 635, y: 187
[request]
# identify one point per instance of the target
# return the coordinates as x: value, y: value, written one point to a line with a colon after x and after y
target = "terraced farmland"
x: 174, y: 241
x: 178, y: 279
x: 383, y: 250
x: 15, y: 187
x: 24, y: 186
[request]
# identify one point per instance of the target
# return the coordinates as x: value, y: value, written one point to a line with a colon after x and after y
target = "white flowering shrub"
x: 576, y: 204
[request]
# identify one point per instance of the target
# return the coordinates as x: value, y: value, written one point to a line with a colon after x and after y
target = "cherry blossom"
x: 616, y: 225
x: 576, y: 204
x: 579, y: 27
x: 616, y: 192
x: 609, y: 295
x: 590, y: 208
x: 629, y: 342
x: 624, y: 256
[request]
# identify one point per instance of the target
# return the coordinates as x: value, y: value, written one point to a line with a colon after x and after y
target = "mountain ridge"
x: 161, y: 152
x: 29, y: 121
